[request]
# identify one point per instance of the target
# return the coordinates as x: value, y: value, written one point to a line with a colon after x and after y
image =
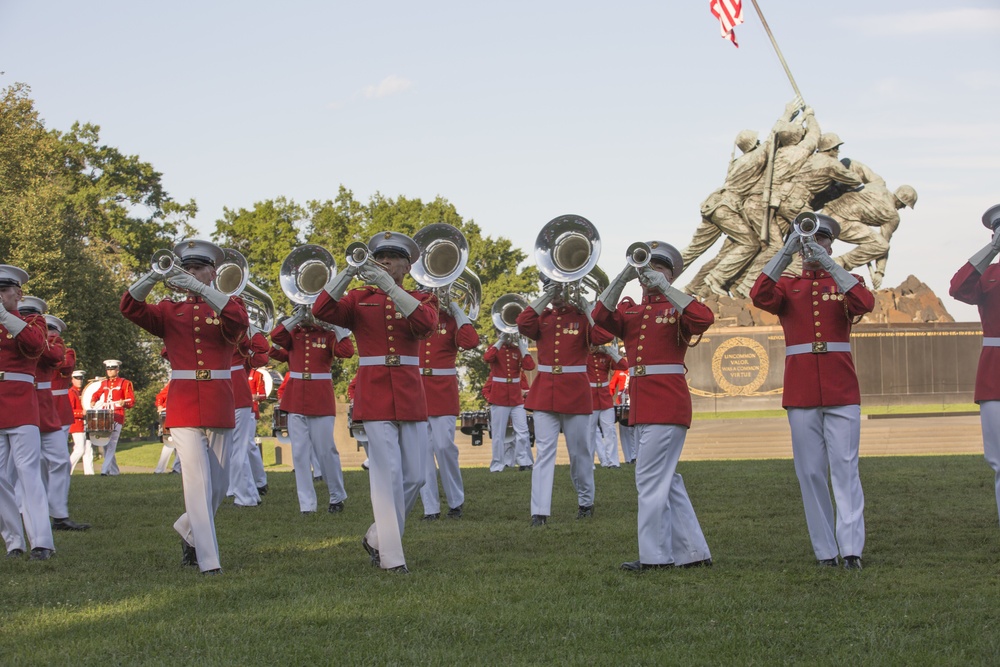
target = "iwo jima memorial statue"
x: 908, y: 350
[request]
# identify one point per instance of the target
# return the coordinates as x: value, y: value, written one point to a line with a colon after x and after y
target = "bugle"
x: 305, y: 272
x: 638, y: 255
x: 232, y: 277
x: 505, y: 311
x: 442, y: 267
x: 805, y: 225
x: 566, y: 251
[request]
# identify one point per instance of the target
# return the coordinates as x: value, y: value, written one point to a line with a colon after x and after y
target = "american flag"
x: 730, y: 15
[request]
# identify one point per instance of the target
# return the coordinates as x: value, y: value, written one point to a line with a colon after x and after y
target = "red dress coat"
x: 973, y: 288
x: 249, y: 353
x: 812, y: 309
x: 48, y: 367
x: 506, y: 363
x: 76, y: 404
x: 257, y: 390
x: 310, y: 350
x: 563, y: 336
x: 655, y: 333
x: 197, y: 339
x: 439, y: 352
x: 618, y: 382
x: 600, y: 367
x: 116, y: 389
x: 384, y: 393
x: 60, y: 387
x: 161, y: 398
x: 20, y: 355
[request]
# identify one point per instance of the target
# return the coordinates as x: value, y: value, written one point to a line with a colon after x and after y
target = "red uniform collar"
x: 812, y: 275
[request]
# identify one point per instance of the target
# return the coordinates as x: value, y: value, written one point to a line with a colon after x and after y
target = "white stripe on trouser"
x: 515, y: 450
x: 989, y: 417
x: 441, y: 440
x: 241, y: 485
x: 314, y: 436
x: 55, y: 472
x: 581, y: 461
x: 605, y: 437
x: 396, y: 452
x: 82, y: 449
x: 20, y: 454
x: 825, y: 443
x: 110, y: 465
x: 204, y: 455
x: 669, y: 531
x: 630, y: 447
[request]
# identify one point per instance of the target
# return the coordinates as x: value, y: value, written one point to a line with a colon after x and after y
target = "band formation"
x: 601, y: 358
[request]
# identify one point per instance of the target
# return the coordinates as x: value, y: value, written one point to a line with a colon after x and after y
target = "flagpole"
x: 781, y: 58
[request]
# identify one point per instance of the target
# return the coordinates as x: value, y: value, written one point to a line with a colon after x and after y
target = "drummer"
x: 82, y: 449
x: 117, y: 394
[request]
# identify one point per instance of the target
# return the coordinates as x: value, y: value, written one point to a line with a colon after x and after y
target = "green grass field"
x: 488, y: 589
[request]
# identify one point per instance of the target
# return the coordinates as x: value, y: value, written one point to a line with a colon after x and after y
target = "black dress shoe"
x: 15, y: 553
x: 455, y: 512
x: 188, y: 555
x: 852, y: 562
x: 523, y: 468
x: 336, y: 508
x: 431, y: 517
x: 636, y: 566
x: 399, y: 569
x: 262, y: 490
x: 827, y: 562
x: 585, y: 512
x: 41, y: 553
x: 308, y: 511
x: 698, y: 563
x: 212, y: 573
x: 538, y: 519
x: 67, y: 524
x: 372, y: 552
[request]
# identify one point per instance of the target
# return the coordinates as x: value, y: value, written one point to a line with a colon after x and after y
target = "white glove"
x: 613, y: 352
x: 983, y: 258
x: 461, y: 319
x: 141, y: 288
x: 613, y: 294
x: 212, y: 296
x: 655, y: 280
x: 549, y: 291
x: 500, y: 341
x: 341, y: 332
x: 522, y: 345
x: 298, y: 314
x: 780, y: 262
x: 339, y: 283
x: 405, y: 302
x: 845, y: 281
x: 14, y: 324
x: 585, y: 307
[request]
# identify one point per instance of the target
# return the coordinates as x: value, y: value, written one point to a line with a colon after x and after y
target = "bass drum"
x: 272, y: 380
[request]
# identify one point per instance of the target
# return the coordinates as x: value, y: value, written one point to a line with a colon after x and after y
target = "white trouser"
x: 204, y: 455
x: 55, y: 472
x: 314, y: 436
x: 517, y: 452
x: 630, y: 446
x: 605, y: 437
x: 110, y: 465
x: 82, y: 449
x: 441, y: 434
x: 165, y: 452
x: 241, y: 484
x: 576, y: 428
x: 669, y: 531
x: 397, y: 451
x: 989, y: 417
x: 257, y: 464
x: 825, y: 443
x: 21, y: 455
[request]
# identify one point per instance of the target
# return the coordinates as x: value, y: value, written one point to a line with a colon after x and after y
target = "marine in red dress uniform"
x: 976, y: 284
x: 388, y: 324
x: 440, y: 378
x: 657, y: 332
x: 603, y: 362
x: 507, y: 358
x: 168, y: 444
x: 560, y: 396
x: 259, y: 391
x: 199, y: 334
x: 82, y: 449
x: 821, y: 395
x: 23, y: 339
x: 250, y: 353
x: 117, y: 393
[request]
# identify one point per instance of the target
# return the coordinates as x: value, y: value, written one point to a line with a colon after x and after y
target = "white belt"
x: 598, y: 385
x: 237, y: 369
x: 310, y: 376
x: 819, y: 347
x: 202, y: 374
x: 438, y: 371
x: 43, y: 385
x: 6, y: 376
x: 656, y: 369
x: 60, y: 392
x: 389, y: 360
x: 991, y: 342
x: 559, y: 370
x: 505, y: 380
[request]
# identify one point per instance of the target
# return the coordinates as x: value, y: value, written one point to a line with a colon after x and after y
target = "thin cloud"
x: 945, y: 22
x: 390, y: 85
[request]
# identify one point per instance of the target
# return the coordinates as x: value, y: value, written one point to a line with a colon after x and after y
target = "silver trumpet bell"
x: 164, y: 261
x: 567, y: 248
x: 638, y: 255
x: 305, y: 272
x: 442, y: 267
x: 805, y: 225
x: 232, y: 277
x: 505, y: 311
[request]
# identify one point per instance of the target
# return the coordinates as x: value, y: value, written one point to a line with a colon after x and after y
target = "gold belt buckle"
x: 392, y: 360
x: 307, y: 376
x: 640, y: 371
x: 557, y: 370
x: 202, y: 374
x: 819, y: 347
x: 427, y: 371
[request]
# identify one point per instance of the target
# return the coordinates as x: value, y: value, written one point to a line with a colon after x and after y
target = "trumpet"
x: 638, y: 255
x: 232, y: 278
x: 566, y: 251
x: 442, y: 267
x: 506, y: 310
x: 359, y: 256
x: 166, y: 263
x: 805, y: 225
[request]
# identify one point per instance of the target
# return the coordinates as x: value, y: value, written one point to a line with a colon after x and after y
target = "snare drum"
x: 623, y: 419
x: 99, y: 422
x: 468, y: 422
x: 279, y: 422
x: 481, y: 418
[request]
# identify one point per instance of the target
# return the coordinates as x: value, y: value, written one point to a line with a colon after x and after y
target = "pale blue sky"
x: 520, y: 111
